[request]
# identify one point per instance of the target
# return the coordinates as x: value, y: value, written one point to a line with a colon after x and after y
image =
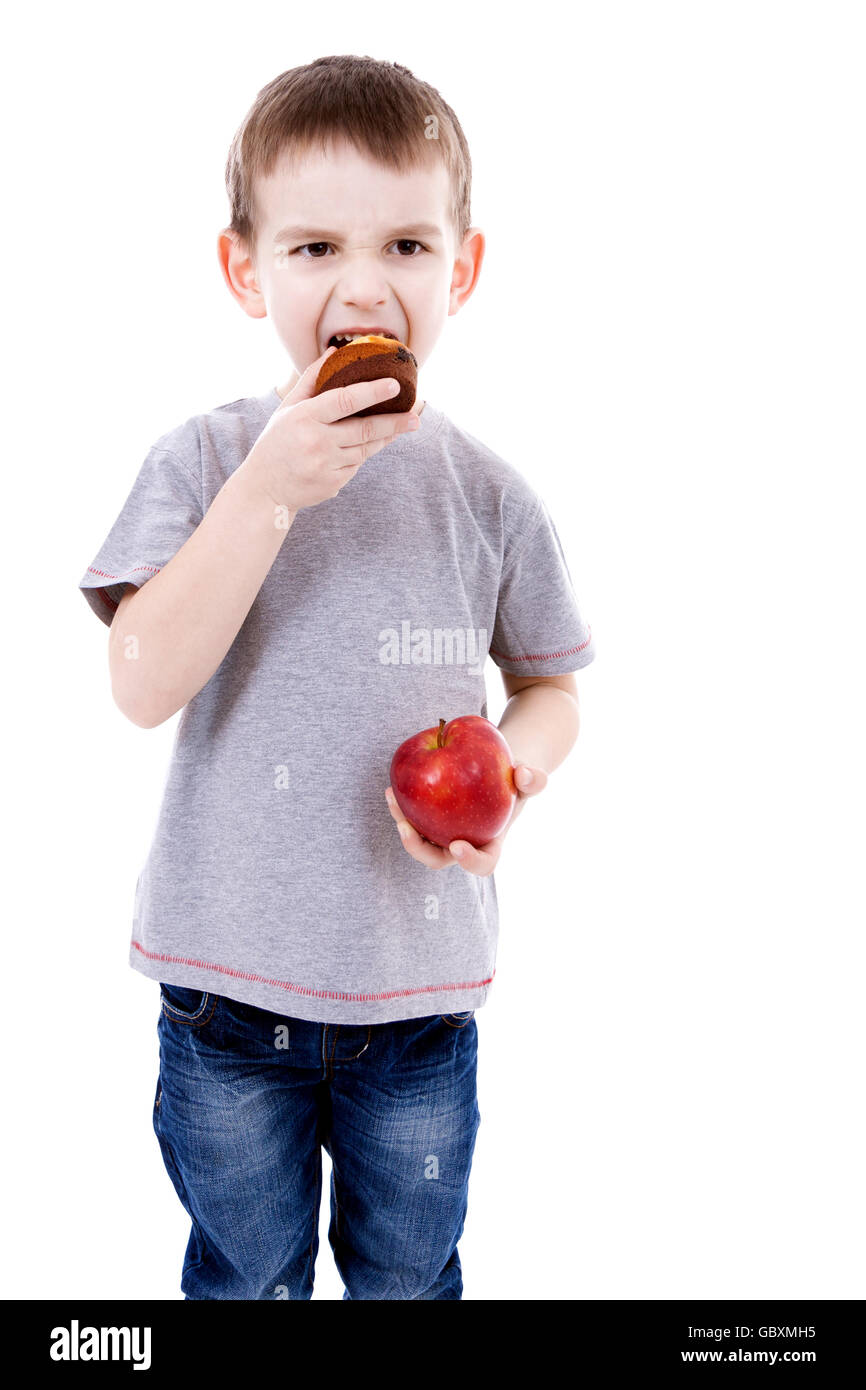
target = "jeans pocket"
x: 458, y: 1020
x: 193, y: 1007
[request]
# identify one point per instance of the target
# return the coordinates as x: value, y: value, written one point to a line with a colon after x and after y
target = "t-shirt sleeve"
x: 539, y: 629
x: 160, y: 514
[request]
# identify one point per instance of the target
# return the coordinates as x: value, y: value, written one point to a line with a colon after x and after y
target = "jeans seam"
x: 317, y: 1197
x: 171, y: 1162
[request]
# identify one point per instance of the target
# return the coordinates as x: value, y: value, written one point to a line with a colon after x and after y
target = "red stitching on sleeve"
x: 153, y: 569
x: 544, y: 656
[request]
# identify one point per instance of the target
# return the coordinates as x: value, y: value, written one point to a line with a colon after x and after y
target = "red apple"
x: 455, y: 782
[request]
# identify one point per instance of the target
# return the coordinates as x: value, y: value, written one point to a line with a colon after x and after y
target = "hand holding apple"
x: 483, y: 860
x: 455, y: 781
x: 474, y: 853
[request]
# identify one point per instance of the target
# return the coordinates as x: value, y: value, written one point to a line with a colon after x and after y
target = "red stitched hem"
x: 153, y: 569
x: 302, y: 989
x: 544, y: 656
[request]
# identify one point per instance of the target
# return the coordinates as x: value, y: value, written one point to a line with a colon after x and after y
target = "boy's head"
x: 349, y: 183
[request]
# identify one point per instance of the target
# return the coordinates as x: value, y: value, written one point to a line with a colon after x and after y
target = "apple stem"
x: 439, y: 742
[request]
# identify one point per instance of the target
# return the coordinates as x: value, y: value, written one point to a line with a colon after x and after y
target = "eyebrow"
x: 428, y: 229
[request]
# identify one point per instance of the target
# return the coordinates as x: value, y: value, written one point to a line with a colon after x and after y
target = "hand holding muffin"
x: 311, y: 446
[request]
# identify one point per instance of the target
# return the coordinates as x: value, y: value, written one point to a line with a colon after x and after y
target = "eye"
x: 405, y: 241
x: 310, y: 244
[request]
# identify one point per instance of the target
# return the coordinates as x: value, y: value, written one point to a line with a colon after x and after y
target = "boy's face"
x: 367, y: 247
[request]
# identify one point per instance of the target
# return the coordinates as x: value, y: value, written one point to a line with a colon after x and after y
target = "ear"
x: 467, y: 268
x: 239, y: 274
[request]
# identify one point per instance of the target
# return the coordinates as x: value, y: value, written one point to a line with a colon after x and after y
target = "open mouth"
x: 341, y: 339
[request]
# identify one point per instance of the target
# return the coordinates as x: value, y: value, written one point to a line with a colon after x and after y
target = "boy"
x: 311, y: 588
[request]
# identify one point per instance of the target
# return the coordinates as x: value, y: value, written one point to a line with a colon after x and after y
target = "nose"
x: 363, y: 283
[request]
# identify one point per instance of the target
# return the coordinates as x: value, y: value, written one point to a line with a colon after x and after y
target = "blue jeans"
x: 245, y: 1098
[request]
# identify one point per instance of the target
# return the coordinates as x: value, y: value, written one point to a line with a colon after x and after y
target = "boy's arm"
x: 172, y: 635
x: 540, y: 723
x: 169, y: 637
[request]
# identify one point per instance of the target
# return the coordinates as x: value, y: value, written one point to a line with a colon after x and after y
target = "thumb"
x: 529, y: 780
x: 306, y: 384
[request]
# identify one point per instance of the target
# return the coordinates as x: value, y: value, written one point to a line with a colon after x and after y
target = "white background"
x: 668, y: 340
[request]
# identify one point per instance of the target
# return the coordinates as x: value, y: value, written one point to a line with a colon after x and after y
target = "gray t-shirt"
x: 276, y: 875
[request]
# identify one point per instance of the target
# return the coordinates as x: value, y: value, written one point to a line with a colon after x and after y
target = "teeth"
x: 352, y: 337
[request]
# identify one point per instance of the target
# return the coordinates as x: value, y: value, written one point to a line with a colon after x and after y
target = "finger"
x: 363, y: 430
x: 343, y: 401
x: 305, y: 386
x: 475, y: 861
x: 434, y: 856
x: 426, y: 853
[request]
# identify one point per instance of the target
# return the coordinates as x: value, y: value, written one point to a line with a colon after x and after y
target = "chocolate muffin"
x: 366, y: 358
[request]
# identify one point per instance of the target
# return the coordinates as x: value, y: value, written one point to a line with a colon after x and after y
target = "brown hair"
x: 381, y: 108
